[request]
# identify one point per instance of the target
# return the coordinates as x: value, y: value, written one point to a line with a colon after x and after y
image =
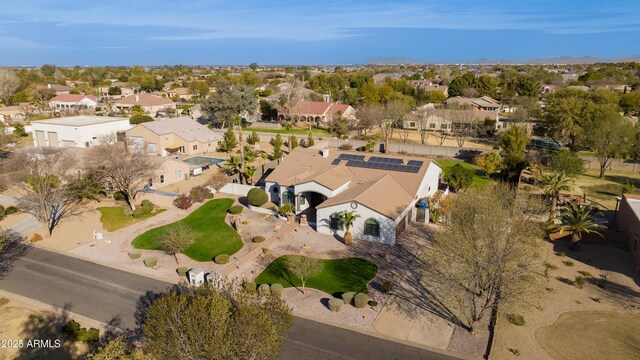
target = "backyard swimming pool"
x: 201, y: 160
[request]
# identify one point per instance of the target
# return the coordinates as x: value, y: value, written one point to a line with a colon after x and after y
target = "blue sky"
x: 156, y: 32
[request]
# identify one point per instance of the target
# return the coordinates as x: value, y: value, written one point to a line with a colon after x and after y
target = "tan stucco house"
x: 175, y: 136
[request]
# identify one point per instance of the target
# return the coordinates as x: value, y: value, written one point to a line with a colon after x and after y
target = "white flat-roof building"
x: 76, y: 131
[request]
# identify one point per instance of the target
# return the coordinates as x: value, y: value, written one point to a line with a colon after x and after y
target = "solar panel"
x: 415, y: 163
x: 380, y: 163
x: 336, y: 162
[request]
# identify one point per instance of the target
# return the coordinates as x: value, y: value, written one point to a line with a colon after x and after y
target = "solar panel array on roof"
x: 379, y: 163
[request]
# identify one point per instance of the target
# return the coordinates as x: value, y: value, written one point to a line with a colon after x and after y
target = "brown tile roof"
x: 381, y: 190
x: 183, y: 127
x: 319, y: 108
x: 73, y: 97
x: 144, y: 99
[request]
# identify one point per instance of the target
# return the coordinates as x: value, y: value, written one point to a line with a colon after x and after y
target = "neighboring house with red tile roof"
x: 73, y: 102
x: 319, y: 112
x: 151, y: 104
x: 383, y: 189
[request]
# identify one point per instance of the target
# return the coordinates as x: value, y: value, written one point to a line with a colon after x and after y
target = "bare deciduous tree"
x: 303, y: 268
x: 7, y: 141
x: 175, y: 239
x: 124, y: 165
x: 393, y: 114
x: 423, y: 115
x: 487, y: 254
x: 369, y: 116
x: 218, y: 180
x: 44, y: 183
x: 9, y: 85
x: 442, y: 137
x: 289, y: 98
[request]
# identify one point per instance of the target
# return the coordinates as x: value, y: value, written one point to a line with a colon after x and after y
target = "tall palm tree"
x: 234, y: 166
x: 578, y: 219
x: 554, y: 184
x: 249, y: 173
x: 288, y: 126
x: 348, y: 218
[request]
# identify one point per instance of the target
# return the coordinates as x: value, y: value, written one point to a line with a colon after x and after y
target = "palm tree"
x: 249, y: 172
x: 234, y: 166
x: 288, y: 126
x: 578, y: 219
x: 554, y: 184
x: 348, y: 218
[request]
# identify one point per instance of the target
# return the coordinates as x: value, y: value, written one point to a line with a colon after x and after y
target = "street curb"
x: 380, y: 336
x: 72, y: 315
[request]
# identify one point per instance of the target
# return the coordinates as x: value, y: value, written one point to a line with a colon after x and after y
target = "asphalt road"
x: 104, y: 293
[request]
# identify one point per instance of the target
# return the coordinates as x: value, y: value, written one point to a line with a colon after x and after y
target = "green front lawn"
x: 295, y: 131
x: 338, y: 276
x: 479, y: 178
x: 117, y: 217
x: 213, y: 235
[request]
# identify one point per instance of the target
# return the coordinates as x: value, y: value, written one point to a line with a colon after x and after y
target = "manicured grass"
x: 117, y: 217
x: 295, y: 131
x: 213, y: 235
x: 338, y: 276
x: 592, y: 335
x: 479, y: 178
x: 605, y: 191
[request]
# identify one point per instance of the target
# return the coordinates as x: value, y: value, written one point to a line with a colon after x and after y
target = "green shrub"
x: 182, y: 271
x: 458, y: 177
x: 264, y: 289
x: 373, y: 303
x: 360, y: 300
x: 346, y: 147
x: 516, y: 319
x: 580, y: 281
x: 249, y: 286
x: 87, y: 336
x: 257, y: 197
x: 146, y: 204
x: 10, y: 210
x: 200, y: 194
x: 347, y: 297
x: 134, y: 255
x: 258, y: 239
x: 585, y: 274
x: 568, y: 262
x: 139, y: 212
x: 2, y: 212
x: 70, y: 328
x: 3, y: 301
x: 235, y: 210
x: 335, y: 304
x: 276, y: 289
x: 221, y: 259
x: 285, y: 209
x: 387, y: 287
x: 183, y: 202
x: 151, y: 261
x: 118, y: 196
x: 138, y: 119
x: 628, y: 188
x: 562, y: 254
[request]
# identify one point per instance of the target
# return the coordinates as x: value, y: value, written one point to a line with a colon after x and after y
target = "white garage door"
x: 53, y: 139
x: 67, y: 143
x: 40, y: 138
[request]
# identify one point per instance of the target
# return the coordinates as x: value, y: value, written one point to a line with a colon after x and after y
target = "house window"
x: 432, y: 125
x: 195, y: 147
x: 443, y: 126
x: 177, y: 174
x: 372, y: 227
x: 161, y: 179
x: 412, y: 124
x: 288, y: 198
x: 302, y: 200
x: 335, y: 221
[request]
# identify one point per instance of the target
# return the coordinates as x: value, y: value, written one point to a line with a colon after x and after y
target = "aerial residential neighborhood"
x: 319, y: 181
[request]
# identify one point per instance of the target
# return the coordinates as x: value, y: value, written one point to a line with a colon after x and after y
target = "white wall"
x: 236, y: 189
x: 431, y: 180
x: 387, y: 226
x: 79, y: 135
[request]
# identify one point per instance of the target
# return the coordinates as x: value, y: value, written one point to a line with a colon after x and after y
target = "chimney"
x: 137, y: 98
x: 325, y: 152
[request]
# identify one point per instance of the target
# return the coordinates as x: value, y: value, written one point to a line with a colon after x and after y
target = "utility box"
x: 196, y: 277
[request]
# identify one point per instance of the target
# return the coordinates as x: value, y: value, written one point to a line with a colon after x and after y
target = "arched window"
x: 288, y: 197
x: 372, y: 227
x: 336, y: 221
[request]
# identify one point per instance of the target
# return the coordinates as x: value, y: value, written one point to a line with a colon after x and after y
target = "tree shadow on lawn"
x: 277, y: 269
x: 621, y: 294
x: 352, y: 274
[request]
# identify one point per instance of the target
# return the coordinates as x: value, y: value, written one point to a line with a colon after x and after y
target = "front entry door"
x: 421, y: 215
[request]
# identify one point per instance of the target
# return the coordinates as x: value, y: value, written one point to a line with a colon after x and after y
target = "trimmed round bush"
x: 347, y: 297
x: 276, y: 289
x: 264, y: 289
x: 146, y: 204
x: 335, y: 304
x: 134, y: 254
x: 118, y: 196
x: 182, y: 271
x: 235, y: 210
x: 139, y: 119
x: 10, y: 210
x: 360, y: 300
x: 257, y: 197
x: 249, y: 286
x: 221, y: 259
x: 258, y: 239
x: 151, y: 261
x: 346, y: 147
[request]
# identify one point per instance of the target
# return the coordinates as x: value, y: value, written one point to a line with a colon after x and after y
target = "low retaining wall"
x: 236, y: 189
x: 262, y: 210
